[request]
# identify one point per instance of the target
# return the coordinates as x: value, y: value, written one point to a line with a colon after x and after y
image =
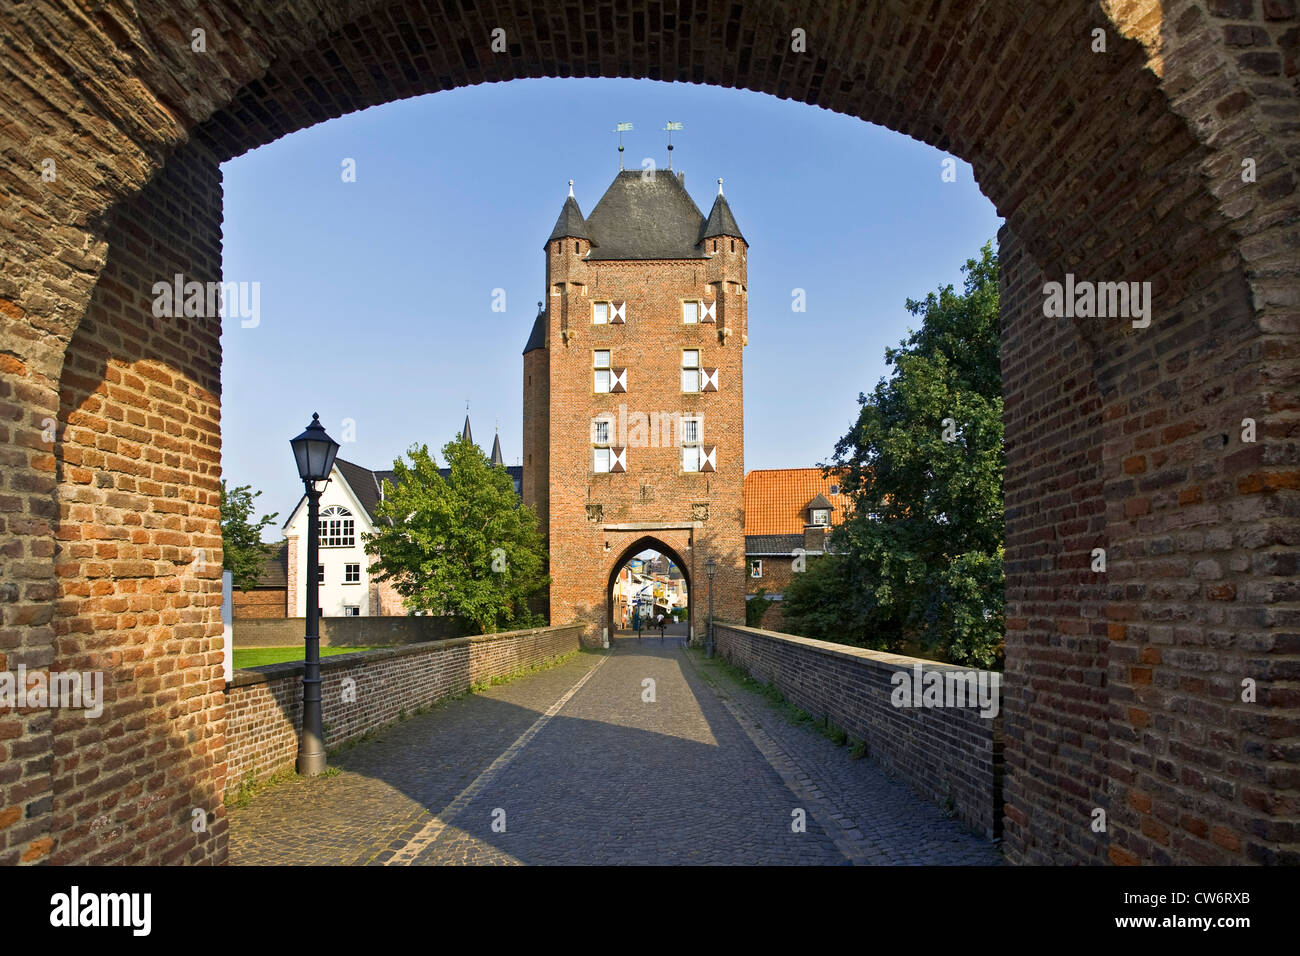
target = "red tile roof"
x: 776, y: 499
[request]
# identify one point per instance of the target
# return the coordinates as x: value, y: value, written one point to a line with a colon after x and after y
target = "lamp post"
x: 314, y: 453
x: 710, y: 568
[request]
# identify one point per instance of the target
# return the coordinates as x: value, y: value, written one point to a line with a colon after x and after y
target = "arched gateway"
x: 1166, y: 154
x: 697, y: 618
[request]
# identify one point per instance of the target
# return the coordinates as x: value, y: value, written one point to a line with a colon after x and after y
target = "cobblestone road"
x: 575, y: 765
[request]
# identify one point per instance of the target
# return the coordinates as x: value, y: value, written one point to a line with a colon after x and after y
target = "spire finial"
x: 621, y: 128
x: 672, y: 125
x: 719, y: 185
x: 570, y: 188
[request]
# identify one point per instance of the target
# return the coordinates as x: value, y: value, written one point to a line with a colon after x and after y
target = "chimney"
x: 814, y: 537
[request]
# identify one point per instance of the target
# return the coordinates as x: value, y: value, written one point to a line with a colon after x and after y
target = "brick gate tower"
x: 633, y: 412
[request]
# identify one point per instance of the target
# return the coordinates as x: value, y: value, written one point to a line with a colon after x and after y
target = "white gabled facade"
x: 344, y: 522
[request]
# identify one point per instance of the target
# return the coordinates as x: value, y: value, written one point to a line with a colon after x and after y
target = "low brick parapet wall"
x: 359, y: 631
x: 264, y: 704
x: 944, y: 753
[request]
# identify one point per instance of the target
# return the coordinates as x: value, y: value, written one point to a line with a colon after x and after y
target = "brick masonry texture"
x: 257, y: 603
x: 942, y: 752
x: 264, y: 705
x: 1122, y: 689
x: 586, y: 550
x: 357, y: 631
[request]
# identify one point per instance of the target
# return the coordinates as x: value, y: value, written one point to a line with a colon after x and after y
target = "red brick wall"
x: 1146, y: 186
x: 777, y: 574
x: 536, y: 486
x: 944, y: 753
x: 258, y: 603
x: 265, y: 705
x: 139, y: 543
x: 654, y: 490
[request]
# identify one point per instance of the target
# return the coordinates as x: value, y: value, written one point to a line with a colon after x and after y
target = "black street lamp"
x: 314, y: 452
x: 710, y: 568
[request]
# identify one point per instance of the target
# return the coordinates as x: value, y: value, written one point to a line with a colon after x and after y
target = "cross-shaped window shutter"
x: 619, y: 314
x: 618, y: 460
x: 618, y: 380
x: 709, y: 458
x: 708, y: 380
x: 709, y: 315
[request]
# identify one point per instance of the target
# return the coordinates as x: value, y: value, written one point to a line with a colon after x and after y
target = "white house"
x: 347, y: 514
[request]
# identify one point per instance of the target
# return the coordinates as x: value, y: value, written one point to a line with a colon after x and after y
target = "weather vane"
x: 621, y: 128
x: 669, y: 130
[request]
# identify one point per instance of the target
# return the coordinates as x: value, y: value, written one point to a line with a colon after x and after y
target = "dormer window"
x: 819, y: 511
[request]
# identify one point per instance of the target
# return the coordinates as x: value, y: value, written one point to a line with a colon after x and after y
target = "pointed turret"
x: 496, y: 451
x: 537, y: 337
x: 721, y: 222
x: 571, y: 224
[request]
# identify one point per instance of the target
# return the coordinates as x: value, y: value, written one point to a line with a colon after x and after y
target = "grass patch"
x: 833, y: 732
x: 250, y: 787
x: 719, y: 667
x: 521, y: 672
x: 260, y: 656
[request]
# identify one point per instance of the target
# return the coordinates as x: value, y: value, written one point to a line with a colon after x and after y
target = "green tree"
x: 242, y: 550
x: 919, y: 557
x: 461, y: 545
x: 755, y: 607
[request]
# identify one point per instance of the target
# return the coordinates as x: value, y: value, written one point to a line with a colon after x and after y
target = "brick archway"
x: 650, y: 543
x: 1117, y: 165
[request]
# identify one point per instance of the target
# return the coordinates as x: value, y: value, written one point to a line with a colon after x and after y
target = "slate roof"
x: 761, y: 544
x: 275, y: 568
x: 364, y: 484
x: 495, y: 457
x: 776, y: 499
x: 721, y: 221
x: 570, y: 224
x: 537, y: 337
x: 646, y: 218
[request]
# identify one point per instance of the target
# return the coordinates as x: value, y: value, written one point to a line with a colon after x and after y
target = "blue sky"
x: 376, y: 295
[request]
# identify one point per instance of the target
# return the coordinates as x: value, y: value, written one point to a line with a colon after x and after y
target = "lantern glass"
x: 314, y: 452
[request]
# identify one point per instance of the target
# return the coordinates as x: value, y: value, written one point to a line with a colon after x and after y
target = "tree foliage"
x: 756, y: 606
x: 919, y: 556
x: 461, y: 545
x: 242, y: 550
